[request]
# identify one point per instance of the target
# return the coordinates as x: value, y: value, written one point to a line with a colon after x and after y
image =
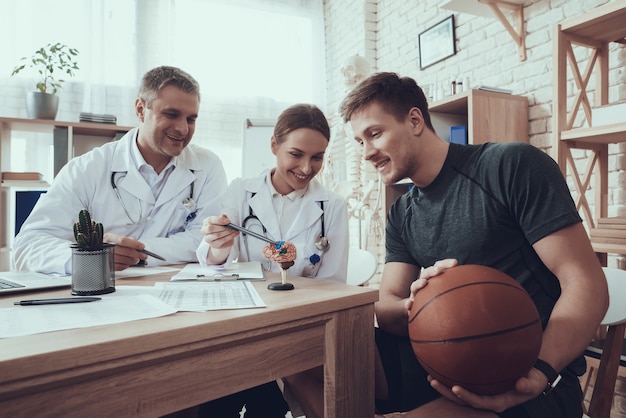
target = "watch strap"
x: 553, y: 376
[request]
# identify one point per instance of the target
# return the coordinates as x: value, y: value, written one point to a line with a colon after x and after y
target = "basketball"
x: 475, y: 327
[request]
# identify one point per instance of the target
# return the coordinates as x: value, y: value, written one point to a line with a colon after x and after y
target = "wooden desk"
x: 158, y: 366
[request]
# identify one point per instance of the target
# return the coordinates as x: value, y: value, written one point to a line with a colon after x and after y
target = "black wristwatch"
x: 553, y: 376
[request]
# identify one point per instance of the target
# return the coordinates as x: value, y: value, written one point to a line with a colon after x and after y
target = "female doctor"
x: 285, y: 203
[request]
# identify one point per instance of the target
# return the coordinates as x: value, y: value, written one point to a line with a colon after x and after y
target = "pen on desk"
x: 251, y: 233
x: 33, y: 302
x: 151, y: 254
x: 218, y: 277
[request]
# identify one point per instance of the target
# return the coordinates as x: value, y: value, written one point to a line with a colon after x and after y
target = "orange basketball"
x: 475, y: 327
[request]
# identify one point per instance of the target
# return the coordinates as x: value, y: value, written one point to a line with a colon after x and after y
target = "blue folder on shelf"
x: 458, y: 135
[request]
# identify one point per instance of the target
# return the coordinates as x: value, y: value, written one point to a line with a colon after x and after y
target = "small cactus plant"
x: 88, y: 233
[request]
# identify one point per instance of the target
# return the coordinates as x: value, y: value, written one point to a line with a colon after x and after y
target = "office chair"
x: 361, y: 266
x: 610, y: 353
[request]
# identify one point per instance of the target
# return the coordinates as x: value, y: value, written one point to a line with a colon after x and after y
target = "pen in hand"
x: 151, y: 254
x: 251, y: 233
x: 33, y: 302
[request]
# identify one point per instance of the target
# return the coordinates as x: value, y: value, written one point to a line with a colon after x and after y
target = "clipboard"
x: 248, y: 270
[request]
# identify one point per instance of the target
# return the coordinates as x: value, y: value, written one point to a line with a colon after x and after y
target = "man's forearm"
x: 392, y: 316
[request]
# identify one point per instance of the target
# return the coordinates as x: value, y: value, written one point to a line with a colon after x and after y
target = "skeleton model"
x: 346, y: 172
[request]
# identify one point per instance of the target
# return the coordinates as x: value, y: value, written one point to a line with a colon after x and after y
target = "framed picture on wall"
x: 437, y: 43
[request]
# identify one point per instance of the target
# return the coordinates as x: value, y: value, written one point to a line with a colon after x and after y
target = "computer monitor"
x: 25, y: 201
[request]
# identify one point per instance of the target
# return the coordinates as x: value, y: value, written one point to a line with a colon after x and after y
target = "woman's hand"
x: 426, y: 274
x: 220, y: 238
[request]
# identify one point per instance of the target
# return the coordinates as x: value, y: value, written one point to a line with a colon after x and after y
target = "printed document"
x: 248, y: 270
x: 207, y: 296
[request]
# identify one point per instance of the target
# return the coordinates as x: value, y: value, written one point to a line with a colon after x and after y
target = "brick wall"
x: 486, y: 54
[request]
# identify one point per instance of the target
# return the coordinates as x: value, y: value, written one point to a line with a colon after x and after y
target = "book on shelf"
x: 97, y: 118
x: 21, y: 175
x: 494, y: 89
x: 25, y: 183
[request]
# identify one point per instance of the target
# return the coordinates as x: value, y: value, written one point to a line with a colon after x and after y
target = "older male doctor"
x: 150, y: 189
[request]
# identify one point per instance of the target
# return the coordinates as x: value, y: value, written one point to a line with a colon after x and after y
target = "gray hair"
x: 156, y: 79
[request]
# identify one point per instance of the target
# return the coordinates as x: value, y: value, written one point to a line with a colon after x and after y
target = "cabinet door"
x: 497, y: 117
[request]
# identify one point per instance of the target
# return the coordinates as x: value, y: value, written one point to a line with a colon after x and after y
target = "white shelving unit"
x: 68, y: 138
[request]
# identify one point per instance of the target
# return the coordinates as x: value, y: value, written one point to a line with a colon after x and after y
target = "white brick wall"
x: 485, y: 53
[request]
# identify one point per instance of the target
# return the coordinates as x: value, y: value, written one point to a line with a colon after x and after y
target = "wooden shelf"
x: 456, y: 104
x: 79, y: 128
x: 66, y: 145
x: 608, y: 248
x: 606, y: 134
x: 479, y: 110
x: 603, y: 24
x: 609, y: 236
x: 593, y: 31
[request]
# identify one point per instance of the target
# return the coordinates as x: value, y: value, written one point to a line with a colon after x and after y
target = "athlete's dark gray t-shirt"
x: 487, y: 206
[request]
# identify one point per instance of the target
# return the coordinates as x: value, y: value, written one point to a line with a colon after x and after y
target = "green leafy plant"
x: 50, y: 61
x: 88, y: 233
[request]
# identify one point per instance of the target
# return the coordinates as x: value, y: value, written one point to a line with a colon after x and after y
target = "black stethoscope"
x: 321, y: 243
x: 189, y: 203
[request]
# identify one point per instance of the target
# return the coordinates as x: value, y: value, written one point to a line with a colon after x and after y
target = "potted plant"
x: 93, y: 268
x: 51, y: 62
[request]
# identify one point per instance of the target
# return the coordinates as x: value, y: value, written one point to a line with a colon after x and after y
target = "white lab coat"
x: 303, y: 233
x: 43, y: 243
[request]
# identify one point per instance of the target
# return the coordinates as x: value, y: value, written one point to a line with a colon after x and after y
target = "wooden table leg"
x: 349, y: 367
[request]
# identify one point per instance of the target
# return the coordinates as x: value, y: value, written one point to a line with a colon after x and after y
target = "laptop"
x: 23, y: 281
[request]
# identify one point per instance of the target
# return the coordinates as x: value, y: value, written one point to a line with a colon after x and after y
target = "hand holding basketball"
x: 437, y: 268
x: 475, y: 327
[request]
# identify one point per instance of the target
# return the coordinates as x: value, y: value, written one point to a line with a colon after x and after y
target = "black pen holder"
x: 93, y: 270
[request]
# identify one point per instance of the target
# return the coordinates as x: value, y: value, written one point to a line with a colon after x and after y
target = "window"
x: 252, y: 58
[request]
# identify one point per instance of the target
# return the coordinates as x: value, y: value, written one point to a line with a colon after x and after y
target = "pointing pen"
x: 248, y: 232
x: 151, y: 254
x: 33, y: 302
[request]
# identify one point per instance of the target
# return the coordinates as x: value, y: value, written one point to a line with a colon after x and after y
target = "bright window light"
x: 241, y: 52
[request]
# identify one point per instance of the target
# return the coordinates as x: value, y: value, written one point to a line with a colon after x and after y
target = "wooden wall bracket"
x: 517, y: 32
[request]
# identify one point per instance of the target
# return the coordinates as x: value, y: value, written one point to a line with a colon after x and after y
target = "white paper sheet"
x: 143, y: 271
x: 249, y: 270
x: 207, y: 296
x: 27, y: 320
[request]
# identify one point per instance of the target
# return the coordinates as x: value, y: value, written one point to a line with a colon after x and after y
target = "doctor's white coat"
x: 43, y: 243
x: 253, y: 193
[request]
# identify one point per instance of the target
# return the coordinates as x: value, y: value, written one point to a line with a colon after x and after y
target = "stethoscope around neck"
x: 189, y: 203
x: 321, y: 243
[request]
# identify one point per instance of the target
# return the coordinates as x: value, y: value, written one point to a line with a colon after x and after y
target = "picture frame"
x: 437, y: 42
